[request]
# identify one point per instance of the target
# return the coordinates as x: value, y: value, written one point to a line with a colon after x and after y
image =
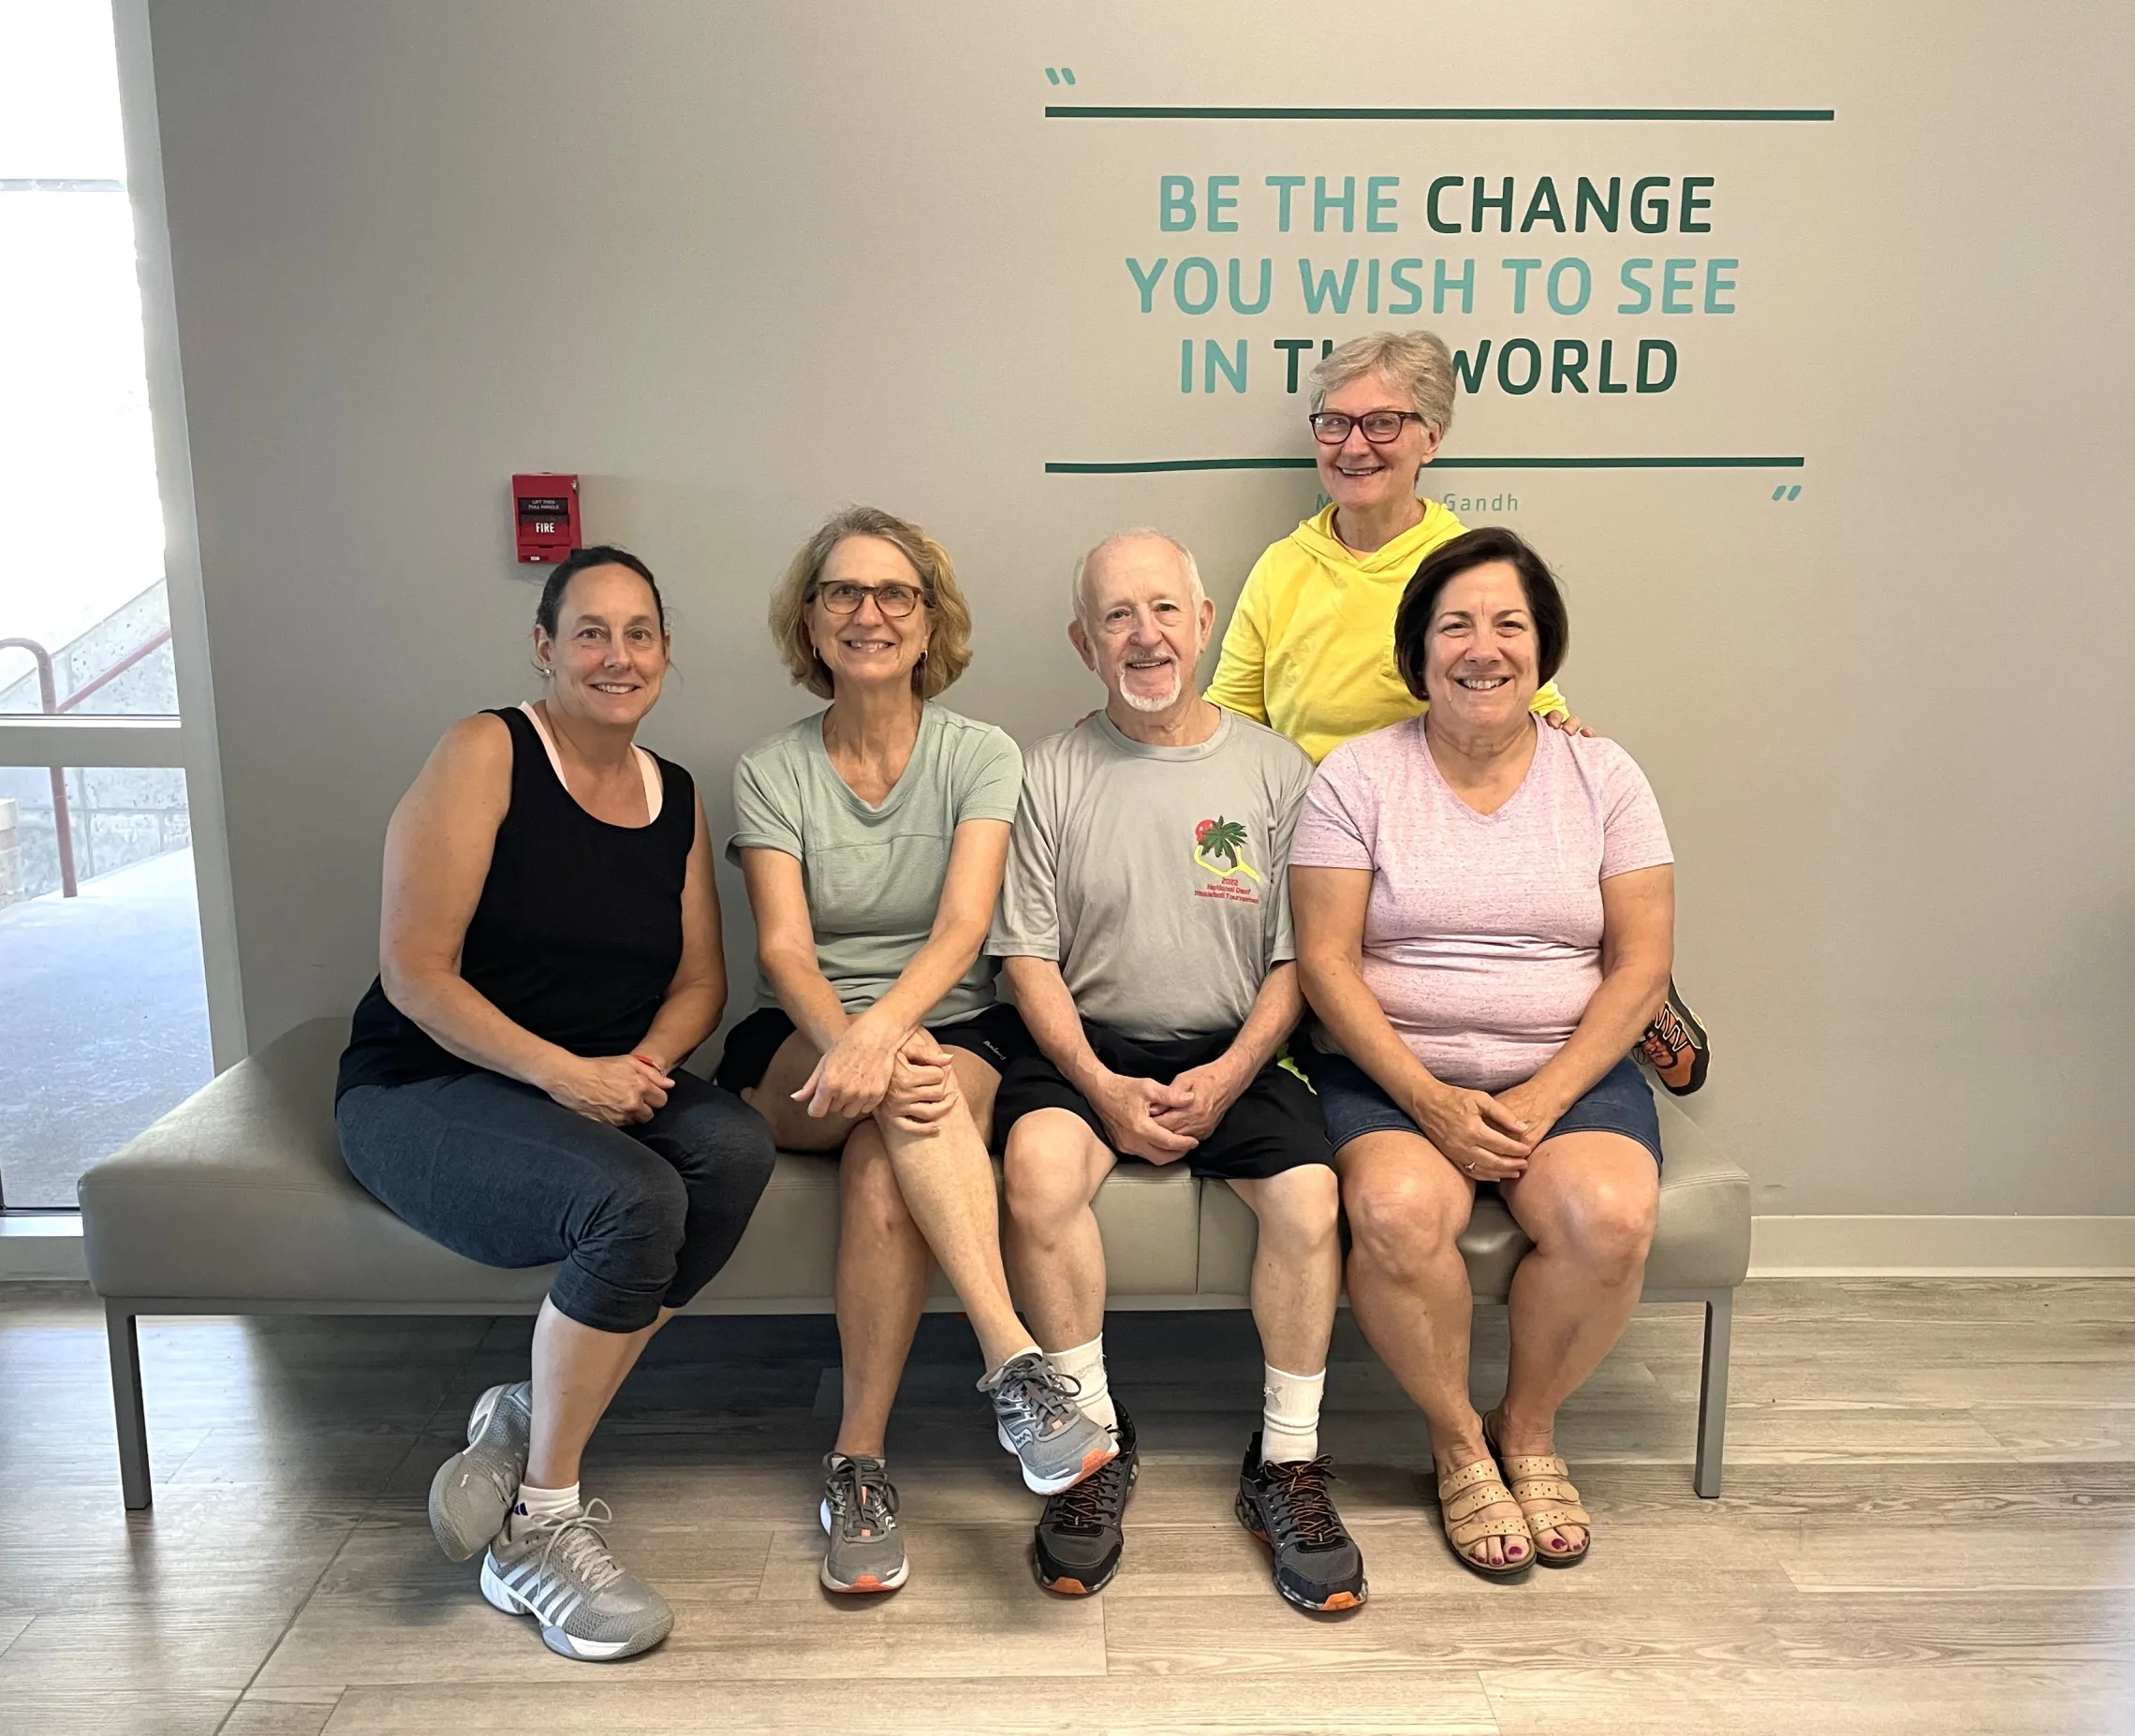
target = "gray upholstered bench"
x: 238, y: 1202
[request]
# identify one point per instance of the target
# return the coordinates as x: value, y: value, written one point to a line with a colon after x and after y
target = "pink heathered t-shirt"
x: 1482, y: 941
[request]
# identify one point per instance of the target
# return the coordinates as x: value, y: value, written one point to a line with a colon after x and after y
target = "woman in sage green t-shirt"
x: 873, y: 835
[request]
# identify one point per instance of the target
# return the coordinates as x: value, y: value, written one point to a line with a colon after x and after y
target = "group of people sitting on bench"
x: 1363, y: 988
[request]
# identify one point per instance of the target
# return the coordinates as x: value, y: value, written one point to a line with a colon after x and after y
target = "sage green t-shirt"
x: 873, y: 874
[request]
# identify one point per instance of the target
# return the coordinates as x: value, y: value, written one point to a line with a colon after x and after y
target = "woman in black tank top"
x: 512, y: 1088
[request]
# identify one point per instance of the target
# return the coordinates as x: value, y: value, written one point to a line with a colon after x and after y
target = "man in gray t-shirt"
x: 1154, y: 873
x: 1144, y: 933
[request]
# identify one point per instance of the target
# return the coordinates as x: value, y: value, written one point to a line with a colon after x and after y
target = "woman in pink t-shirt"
x: 1485, y: 922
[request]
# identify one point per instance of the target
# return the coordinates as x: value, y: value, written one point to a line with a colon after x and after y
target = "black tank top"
x: 578, y: 934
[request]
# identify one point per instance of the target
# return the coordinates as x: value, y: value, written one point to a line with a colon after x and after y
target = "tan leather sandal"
x: 1463, y: 1495
x: 1544, y: 1490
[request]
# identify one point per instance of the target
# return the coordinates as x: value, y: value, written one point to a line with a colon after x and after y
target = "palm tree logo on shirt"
x: 1224, y: 840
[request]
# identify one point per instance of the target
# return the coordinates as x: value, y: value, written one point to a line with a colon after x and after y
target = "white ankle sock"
x: 1290, y: 1420
x: 1084, y: 1364
x: 538, y: 1504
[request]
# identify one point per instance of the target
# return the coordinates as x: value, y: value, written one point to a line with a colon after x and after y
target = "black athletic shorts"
x: 1274, y: 1127
x: 995, y: 1035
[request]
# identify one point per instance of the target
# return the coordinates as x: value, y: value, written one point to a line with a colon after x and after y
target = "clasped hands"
x: 907, y: 1076
x: 1487, y: 1137
x: 1147, y: 1118
x: 617, y: 1091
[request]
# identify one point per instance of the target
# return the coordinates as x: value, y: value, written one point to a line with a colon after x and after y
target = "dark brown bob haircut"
x: 1448, y: 562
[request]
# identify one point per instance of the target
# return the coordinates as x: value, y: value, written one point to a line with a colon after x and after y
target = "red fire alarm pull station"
x: 545, y: 517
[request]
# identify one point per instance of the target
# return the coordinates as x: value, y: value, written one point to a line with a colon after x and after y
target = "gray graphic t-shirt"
x: 1157, y: 876
x: 874, y: 874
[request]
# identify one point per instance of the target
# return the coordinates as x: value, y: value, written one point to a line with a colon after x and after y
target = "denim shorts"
x: 1352, y: 1104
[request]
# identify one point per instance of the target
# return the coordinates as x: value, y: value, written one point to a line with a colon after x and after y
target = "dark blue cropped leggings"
x: 642, y: 1217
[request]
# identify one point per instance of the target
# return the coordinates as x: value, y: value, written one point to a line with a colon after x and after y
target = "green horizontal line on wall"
x: 1072, y: 112
x: 1149, y: 467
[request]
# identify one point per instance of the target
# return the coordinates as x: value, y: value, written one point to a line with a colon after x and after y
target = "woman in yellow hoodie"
x: 1310, y: 647
x: 1309, y: 651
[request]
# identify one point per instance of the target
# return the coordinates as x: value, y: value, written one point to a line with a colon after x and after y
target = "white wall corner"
x: 201, y: 752
x: 1831, y: 1247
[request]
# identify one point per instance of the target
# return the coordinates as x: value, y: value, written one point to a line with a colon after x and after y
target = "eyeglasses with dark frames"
x: 895, y: 600
x: 1331, y: 427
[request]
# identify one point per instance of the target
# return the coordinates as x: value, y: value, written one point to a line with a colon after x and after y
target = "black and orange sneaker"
x: 1676, y: 1045
x: 1317, y: 1564
x: 1082, y: 1533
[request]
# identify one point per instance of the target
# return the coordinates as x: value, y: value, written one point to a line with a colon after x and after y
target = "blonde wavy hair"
x: 949, y: 618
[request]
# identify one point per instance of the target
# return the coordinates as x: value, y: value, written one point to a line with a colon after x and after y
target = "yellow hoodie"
x: 1309, y: 651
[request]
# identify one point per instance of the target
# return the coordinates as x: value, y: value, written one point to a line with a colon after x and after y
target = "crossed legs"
x: 640, y: 1218
x: 907, y: 1201
x: 721, y: 1157
x: 578, y: 1371
x: 1587, y: 1201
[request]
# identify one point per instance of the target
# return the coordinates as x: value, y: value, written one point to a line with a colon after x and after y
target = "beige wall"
x: 738, y: 264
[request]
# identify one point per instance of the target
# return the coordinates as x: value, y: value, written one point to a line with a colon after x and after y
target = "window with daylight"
x: 103, y: 1007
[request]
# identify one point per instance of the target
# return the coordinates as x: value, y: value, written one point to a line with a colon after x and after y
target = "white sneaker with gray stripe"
x: 1035, y: 1418
x: 561, y: 1572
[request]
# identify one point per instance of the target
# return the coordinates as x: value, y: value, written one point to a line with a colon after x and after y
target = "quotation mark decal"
x: 1060, y: 75
x: 1784, y: 493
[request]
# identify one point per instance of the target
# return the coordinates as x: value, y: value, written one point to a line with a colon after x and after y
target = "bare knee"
x: 792, y: 1128
x: 1608, y: 1229
x: 1300, y: 1210
x: 1399, y: 1222
x: 1044, y: 1176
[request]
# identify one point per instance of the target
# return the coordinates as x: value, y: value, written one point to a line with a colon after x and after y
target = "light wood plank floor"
x: 1929, y: 1526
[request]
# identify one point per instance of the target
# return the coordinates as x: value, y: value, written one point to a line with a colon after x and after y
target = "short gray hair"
x: 1077, y: 599
x: 1415, y: 362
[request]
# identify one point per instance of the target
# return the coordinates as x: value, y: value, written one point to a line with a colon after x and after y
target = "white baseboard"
x: 1953, y: 1247
x: 41, y: 1248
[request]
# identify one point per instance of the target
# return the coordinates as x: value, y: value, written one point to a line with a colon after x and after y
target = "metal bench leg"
x: 1712, y: 1394
x: 125, y: 1404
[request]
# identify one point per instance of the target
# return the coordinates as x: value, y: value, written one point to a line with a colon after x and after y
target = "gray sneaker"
x: 1037, y: 1419
x: 560, y: 1572
x: 473, y: 1491
x: 866, y: 1550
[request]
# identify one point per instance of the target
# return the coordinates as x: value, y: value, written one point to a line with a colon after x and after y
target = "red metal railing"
x: 52, y: 706
x: 48, y: 693
x: 117, y: 669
